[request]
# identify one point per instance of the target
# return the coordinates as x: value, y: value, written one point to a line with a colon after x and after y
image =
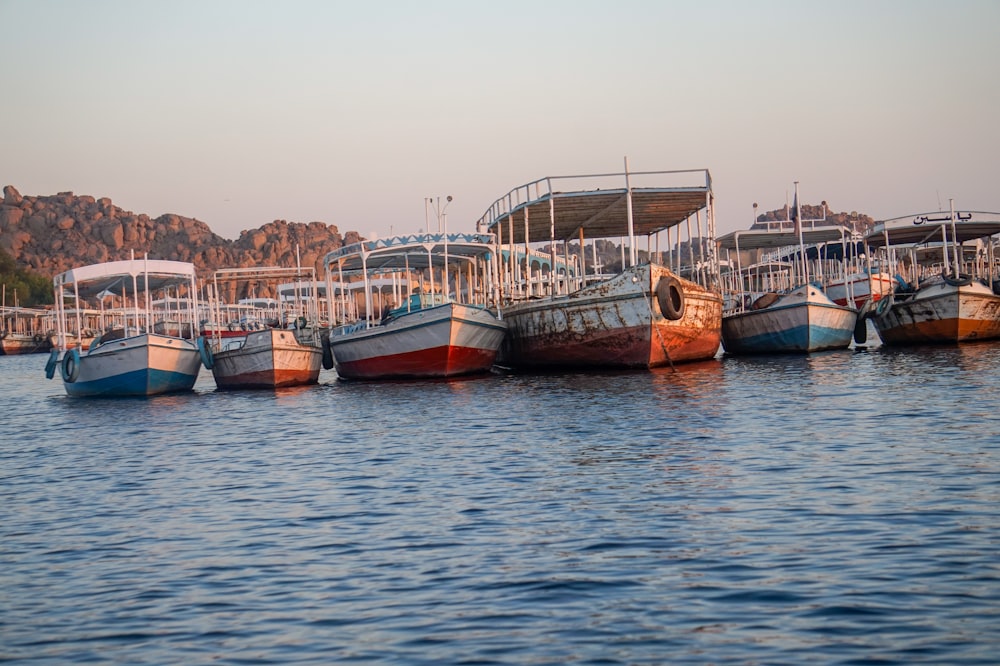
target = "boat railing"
x: 548, y: 188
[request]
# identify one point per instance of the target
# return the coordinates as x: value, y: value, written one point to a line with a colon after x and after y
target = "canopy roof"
x: 927, y: 228
x: 413, y: 251
x: 755, y: 239
x: 599, y: 213
x: 125, y: 277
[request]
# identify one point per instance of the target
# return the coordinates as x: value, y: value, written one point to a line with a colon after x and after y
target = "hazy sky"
x: 241, y: 112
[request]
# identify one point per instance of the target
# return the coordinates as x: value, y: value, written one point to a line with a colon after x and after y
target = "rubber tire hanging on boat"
x: 670, y: 297
x: 207, y: 359
x: 861, y: 330
x: 70, y: 366
x: 327, y: 352
x: 50, y: 365
x: 962, y: 280
x: 883, y: 304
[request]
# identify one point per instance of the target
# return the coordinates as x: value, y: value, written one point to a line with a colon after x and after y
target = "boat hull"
x: 142, y: 365
x: 860, y: 288
x: 617, y: 323
x: 13, y: 344
x: 940, y: 313
x: 271, y: 358
x: 443, y: 341
x: 800, y: 322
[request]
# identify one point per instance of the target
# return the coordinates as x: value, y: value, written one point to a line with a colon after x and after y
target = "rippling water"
x: 837, y: 508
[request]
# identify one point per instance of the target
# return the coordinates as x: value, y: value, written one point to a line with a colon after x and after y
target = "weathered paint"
x: 616, y: 323
x: 941, y: 313
x: 443, y: 341
x: 804, y: 320
x: 270, y: 358
x: 142, y: 365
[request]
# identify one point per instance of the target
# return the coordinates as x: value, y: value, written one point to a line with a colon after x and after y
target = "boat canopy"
x: 542, y: 213
x: 754, y: 239
x: 413, y: 251
x: 934, y: 228
x: 128, y: 276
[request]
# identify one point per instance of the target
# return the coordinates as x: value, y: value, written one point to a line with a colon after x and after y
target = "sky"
x: 238, y: 113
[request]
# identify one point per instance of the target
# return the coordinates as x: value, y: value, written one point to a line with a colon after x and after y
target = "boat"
x: 442, y: 326
x: 23, y: 331
x: 861, y: 287
x: 261, y: 355
x: 129, y: 359
x: 91, y: 322
x: 779, y: 304
x: 947, y: 289
x: 644, y: 314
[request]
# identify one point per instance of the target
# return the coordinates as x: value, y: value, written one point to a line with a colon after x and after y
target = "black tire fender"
x: 70, y: 366
x: 327, y: 353
x: 670, y: 297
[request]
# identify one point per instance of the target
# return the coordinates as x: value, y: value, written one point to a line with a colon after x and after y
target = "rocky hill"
x: 854, y: 220
x: 51, y: 234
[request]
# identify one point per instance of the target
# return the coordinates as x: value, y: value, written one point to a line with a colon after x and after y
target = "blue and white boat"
x: 778, y: 303
x: 132, y: 356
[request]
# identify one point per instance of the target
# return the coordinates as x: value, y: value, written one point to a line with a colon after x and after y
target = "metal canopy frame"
x: 537, y: 212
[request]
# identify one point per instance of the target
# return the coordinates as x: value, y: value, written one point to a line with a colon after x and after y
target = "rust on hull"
x: 947, y: 318
x: 618, y: 323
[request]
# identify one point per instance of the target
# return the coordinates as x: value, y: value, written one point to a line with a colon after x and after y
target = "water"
x: 839, y: 508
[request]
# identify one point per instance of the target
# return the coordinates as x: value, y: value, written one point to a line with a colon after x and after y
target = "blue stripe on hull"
x: 796, y: 339
x: 136, y: 383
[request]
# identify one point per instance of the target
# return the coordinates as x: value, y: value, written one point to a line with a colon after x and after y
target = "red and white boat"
x: 642, y: 316
x: 442, y: 329
x: 260, y: 356
x: 859, y: 288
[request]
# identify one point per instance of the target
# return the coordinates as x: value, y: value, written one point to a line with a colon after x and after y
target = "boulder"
x: 11, y: 196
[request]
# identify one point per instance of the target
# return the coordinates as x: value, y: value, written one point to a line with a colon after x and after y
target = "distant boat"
x: 643, y: 314
x: 129, y: 359
x: 950, y: 272
x: 24, y: 331
x: 779, y: 304
x: 857, y: 289
x: 441, y: 330
x: 258, y: 355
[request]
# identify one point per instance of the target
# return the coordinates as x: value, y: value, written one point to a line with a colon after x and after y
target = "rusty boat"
x: 949, y: 277
x: 564, y: 310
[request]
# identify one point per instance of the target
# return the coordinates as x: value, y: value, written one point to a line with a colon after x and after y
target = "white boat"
x: 645, y: 313
x: 779, y: 304
x: 801, y: 320
x: 441, y: 329
x: 257, y: 355
x: 859, y: 288
x: 948, y: 265
x: 129, y: 360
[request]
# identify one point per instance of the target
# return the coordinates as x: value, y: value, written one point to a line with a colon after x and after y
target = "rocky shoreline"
x: 51, y: 234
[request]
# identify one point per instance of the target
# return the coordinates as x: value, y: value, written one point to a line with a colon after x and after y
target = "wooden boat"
x: 23, y: 330
x: 859, y: 288
x: 801, y: 320
x: 91, y: 322
x: 644, y: 315
x: 130, y: 360
x: 259, y: 356
x: 440, y: 330
x: 948, y: 265
x: 779, y: 304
